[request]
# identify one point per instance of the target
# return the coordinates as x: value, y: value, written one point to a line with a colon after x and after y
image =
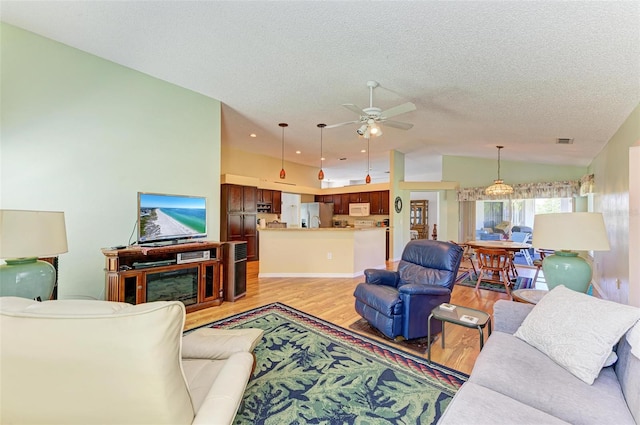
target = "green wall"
x: 476, y: 172
x: 83, y: 135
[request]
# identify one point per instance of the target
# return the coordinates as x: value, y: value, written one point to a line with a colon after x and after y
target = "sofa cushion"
x: 512, y: 367
x: 86, y: 361
x: 576, y: 330
x: 475, y: 404
x: 216, y: 344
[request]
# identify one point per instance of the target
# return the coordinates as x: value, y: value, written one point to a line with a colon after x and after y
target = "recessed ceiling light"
x: 253, y: 135
x: 322, y: 159
x: 298, y: 152
x: 363, y: 151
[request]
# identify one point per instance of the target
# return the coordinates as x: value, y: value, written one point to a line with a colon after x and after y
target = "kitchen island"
x: 321, y: 252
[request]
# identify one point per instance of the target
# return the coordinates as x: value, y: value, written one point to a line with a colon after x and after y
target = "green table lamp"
x: 25, y: 236
x: 567, y: 233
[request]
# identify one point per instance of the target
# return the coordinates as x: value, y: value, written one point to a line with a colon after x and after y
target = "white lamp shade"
x: 579, y: 231
x: 32, y: 233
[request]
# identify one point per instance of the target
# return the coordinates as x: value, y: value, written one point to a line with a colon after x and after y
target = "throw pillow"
x: 577, y: 331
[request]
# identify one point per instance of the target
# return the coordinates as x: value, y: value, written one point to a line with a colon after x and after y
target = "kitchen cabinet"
x: 379, y: 202
x: 341, y: 203
x: 276, y: 202
x: 359, y: 197
x: 238, y: 221
x: 269, y: 201
x: 327, y: 199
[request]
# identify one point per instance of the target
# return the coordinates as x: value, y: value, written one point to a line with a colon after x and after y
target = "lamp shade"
x: 32, y: 233
x: 579, y: 231
x: 566, y: 233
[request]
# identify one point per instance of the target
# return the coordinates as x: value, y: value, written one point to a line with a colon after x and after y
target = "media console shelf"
x: 174, y: 272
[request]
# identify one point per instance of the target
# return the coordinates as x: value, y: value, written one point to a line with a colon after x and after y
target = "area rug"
x: 313, y: 372
x: 418, y: 345
x: 470, y: 279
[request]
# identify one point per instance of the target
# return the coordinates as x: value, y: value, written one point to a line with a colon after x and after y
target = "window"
x: 518, y: 212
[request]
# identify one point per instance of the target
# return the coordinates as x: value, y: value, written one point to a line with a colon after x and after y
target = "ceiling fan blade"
x: 342, y: 123
x: 397, y: 110
x: 354, y: 108
x: 398, y: 124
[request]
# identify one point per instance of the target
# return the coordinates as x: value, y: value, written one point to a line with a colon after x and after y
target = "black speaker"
x: 235, y: 270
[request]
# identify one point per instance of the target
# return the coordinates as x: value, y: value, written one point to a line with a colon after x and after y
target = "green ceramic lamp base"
x: 568, y: 269
x: 27, y: 278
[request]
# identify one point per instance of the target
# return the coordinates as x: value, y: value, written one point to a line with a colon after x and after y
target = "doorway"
x: 419, y: 219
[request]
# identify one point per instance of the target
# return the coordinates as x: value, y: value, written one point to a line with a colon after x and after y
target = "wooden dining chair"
x: 494, y: 262
x: 467, y: 256
x: 538, y: 263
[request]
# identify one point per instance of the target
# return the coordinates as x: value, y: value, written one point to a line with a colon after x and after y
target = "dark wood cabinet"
x: 242, y: 199
x: 379, y: 202
x: 276, y: 202
x: 359, y: 197
x: 341, y: 203
x: 269, y: 201
x: 238, y: 221
x: 324, y: 198
x: 136, y: 275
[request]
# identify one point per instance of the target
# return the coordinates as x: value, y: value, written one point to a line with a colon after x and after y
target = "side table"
x: 459, y: 315
x: 531, y: 296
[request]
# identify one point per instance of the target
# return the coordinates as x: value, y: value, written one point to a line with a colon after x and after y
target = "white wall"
x: 611, y: 198
x: 83, y: 135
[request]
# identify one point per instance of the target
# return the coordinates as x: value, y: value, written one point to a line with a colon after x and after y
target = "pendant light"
x: 283, y: 173
x: 321, y: 173
x: 498, y: 188
x: 368, y: 179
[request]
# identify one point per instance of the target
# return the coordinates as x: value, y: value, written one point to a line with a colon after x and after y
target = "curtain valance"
x: 560, y: 189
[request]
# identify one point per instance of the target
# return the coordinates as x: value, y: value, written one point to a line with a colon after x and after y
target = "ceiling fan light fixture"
x: 375, y: 130
x: 283, y: 173
x: 498, y: 188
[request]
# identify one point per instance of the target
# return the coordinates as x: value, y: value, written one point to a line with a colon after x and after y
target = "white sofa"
x: 99, y: 362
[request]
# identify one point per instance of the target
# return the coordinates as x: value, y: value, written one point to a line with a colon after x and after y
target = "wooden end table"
x: 531, y: 296
x: 457, y: 316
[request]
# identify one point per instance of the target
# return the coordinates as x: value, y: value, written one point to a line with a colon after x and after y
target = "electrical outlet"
x: 329, y: 256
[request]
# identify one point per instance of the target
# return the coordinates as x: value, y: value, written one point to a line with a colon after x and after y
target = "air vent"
x: 561, y: 141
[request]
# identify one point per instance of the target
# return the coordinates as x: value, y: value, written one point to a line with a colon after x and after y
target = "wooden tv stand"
x: 136, y: 273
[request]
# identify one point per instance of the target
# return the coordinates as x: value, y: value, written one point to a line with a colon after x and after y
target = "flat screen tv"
x: 170, y: 218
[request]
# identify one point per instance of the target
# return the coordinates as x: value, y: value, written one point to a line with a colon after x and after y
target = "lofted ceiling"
x: 481, y: 74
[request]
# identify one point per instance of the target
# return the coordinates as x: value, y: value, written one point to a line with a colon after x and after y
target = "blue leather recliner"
x: 398, y: 303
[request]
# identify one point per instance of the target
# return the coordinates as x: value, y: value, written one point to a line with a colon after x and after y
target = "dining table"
x: 510, y: 246
x: 507, y: 245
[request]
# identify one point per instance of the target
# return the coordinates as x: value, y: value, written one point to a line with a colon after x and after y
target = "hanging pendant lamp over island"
x: 321, y: 173
x: 498, y: 188
x: 283, y: 174
x: 367, y: 180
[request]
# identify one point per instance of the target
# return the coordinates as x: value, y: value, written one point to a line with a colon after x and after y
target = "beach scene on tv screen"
x: 166, y: 217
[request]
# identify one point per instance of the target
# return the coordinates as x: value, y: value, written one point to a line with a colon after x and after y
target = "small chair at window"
x: 538, y: 263
x: 496, y: 263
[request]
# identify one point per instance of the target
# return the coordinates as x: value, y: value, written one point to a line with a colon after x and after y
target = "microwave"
x: 359, y: 209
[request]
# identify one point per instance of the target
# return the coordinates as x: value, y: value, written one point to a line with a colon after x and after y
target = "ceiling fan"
x: 372, y: 117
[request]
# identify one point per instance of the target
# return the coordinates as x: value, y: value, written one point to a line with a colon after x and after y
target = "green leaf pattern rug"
x: 312, y: 372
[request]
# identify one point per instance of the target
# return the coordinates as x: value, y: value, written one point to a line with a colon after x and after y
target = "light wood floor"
x: 332, y: 300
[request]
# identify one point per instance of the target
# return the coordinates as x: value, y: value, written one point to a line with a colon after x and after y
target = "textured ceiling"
x: 518, y: 74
